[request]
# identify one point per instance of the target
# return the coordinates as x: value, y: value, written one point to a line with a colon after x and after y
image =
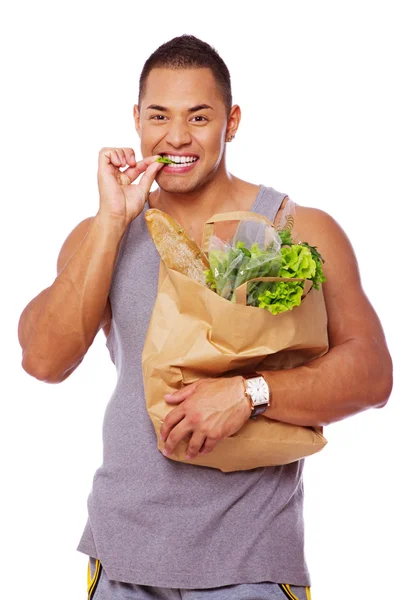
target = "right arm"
x: 59, y: 325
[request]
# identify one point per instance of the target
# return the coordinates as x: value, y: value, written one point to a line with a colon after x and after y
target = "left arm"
x: 355, y: 374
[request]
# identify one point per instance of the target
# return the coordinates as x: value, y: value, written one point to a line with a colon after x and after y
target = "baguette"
x: 177, y: 250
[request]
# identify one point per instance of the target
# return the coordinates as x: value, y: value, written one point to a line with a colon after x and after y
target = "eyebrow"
x: 191, y: 110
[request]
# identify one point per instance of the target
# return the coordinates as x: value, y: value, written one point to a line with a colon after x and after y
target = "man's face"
x: 182, y: 115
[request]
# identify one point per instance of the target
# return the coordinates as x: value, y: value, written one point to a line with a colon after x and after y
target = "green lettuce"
x: 281, y: 296
x: 310, y: 267
x: 232, y: 267
x: 297, y: 261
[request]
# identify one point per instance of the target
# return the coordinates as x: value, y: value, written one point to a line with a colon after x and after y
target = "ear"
x: 136, y: 116
x: 233, y: 121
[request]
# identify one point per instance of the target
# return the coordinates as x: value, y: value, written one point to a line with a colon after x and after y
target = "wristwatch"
x: 258, y: 392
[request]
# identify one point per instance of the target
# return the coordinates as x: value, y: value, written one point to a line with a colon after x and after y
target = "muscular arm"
x: 59, y: 325
x: 356, y: 373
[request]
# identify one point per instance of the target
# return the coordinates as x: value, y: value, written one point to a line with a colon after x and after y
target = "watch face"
x: 258, y: 390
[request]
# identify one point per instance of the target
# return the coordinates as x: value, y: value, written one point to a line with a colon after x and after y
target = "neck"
x: 218, y: 195
x: 223, y: 193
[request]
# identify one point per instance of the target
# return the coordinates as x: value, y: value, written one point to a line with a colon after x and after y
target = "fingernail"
x: 165, y: 452
x: 188, y: 457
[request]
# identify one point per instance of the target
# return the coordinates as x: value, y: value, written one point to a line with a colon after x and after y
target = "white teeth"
x: 181, y: 159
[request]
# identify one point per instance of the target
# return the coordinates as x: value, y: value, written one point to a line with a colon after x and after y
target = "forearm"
x: 59, y: 325
x: 350, y: 378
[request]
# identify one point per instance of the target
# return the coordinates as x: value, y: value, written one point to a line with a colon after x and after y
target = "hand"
x: 118, y: 197
x: 210, y: 410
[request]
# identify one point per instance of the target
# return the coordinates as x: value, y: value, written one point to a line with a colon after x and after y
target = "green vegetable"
x: 317, y: 277
x: 230, y: 268
x: 286, y: 237
x: 282, y: 296
x: 297, y: 261
x: 165, y: 160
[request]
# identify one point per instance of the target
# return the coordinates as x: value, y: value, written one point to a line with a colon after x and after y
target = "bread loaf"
x: 177, y: 250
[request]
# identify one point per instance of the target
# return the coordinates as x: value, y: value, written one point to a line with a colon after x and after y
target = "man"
x: 158, y: 528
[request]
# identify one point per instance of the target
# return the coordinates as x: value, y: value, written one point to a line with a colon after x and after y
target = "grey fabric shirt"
x: 154, y: 521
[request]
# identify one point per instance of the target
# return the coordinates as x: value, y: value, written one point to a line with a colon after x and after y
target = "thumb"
x: 149, y: 176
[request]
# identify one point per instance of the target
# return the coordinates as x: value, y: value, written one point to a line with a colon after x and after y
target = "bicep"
x: 72, y: 243
x: 68, y: 249
x: 350, y: 313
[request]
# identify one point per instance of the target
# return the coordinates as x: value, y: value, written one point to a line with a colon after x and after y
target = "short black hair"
x: 188, y: 52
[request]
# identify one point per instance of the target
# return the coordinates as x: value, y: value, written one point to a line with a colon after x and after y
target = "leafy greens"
x: 232, y: 266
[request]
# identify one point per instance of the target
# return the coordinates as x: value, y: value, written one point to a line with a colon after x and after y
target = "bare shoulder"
x: 315, y: 222
x: 319, y: 228
x: 350, y: 313
x: 69, y: 247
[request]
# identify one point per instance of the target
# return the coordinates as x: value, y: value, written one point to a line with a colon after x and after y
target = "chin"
x: 173, y: 185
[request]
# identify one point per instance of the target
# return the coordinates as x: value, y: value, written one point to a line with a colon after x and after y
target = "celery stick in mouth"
x: 165, y: 160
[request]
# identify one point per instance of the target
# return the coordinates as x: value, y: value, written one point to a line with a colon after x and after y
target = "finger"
x: 148, y: 176
x: 132, y: 173
x: 181, y: 394
x: 177, y: 435
x: 117, y: 157
x: 109, y: 159
x: 151, y: 159
x: 184, y: 392
x: 135, y: 169
x: 174, y: 417
x: 122, y: 155
x: 129, y: 156
x: 209, y: 445
x: 196, y: 442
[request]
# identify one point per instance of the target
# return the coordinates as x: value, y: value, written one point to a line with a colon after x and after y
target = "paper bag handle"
x: 241, y: 290
x: 238, y: 215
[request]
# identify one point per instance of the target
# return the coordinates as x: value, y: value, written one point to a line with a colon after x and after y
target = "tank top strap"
x: 268, y: 202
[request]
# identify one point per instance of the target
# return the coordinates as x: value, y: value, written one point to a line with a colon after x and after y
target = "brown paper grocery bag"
x: 194, y: 333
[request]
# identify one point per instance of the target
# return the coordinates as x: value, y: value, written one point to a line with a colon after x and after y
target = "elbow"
x: 383, y: 382
x: 43, y: 371
x: 385, y: 392
x: 39, y: 370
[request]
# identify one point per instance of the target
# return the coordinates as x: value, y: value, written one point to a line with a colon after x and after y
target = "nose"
x: 178, y: 134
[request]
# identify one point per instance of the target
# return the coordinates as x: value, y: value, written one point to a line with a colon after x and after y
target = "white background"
x: 317, y: 84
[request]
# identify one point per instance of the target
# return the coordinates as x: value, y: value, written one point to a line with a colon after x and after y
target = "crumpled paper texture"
x: 195, y: 333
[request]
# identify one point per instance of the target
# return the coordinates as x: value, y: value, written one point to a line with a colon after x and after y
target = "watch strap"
x: 251, y: 375
x: 258, y: 410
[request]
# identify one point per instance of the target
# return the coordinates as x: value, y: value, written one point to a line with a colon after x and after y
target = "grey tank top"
x: 154, y: 521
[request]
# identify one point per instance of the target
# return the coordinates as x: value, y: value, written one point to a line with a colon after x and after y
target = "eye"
x: 158, y: 117
x: 200, y: 119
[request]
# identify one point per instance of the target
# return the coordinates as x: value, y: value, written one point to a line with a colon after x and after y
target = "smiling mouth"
x: 180, y: 160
